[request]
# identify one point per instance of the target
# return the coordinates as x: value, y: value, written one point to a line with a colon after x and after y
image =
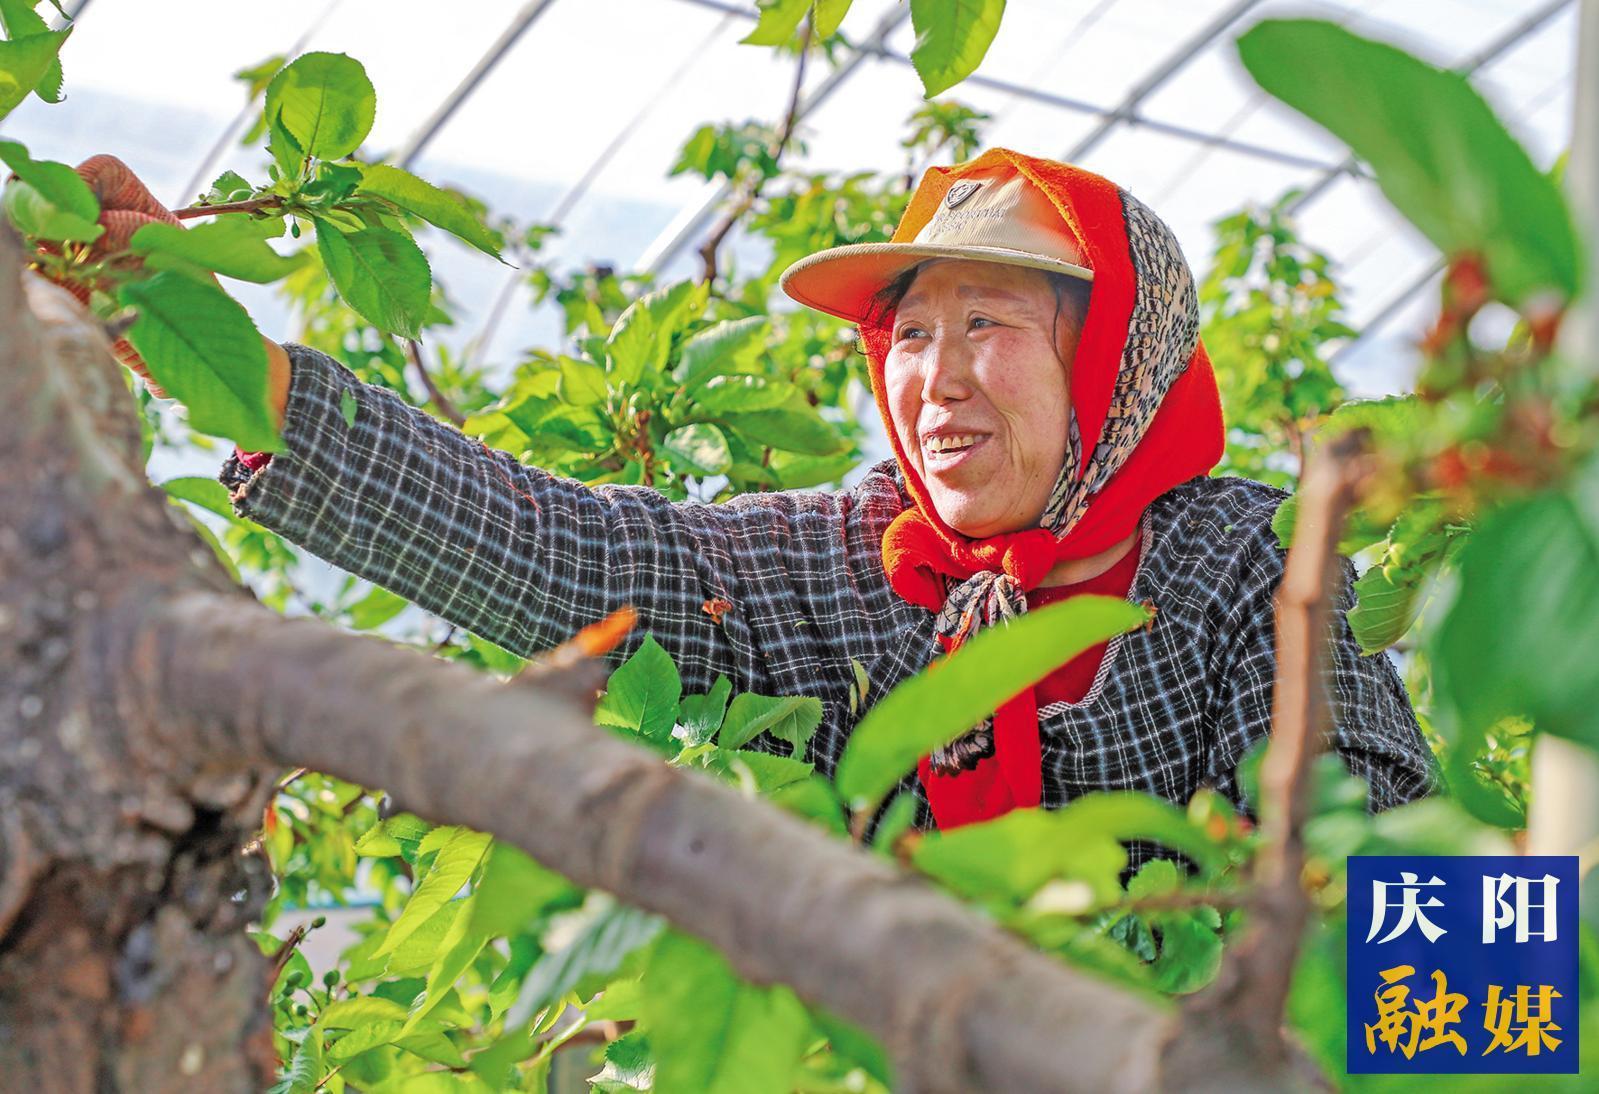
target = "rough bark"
x: 146, y: 705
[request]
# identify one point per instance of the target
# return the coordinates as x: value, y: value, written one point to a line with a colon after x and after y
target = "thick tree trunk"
x: 145, y: 705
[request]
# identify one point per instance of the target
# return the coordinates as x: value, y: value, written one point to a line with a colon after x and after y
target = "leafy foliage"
x: 472, y: 966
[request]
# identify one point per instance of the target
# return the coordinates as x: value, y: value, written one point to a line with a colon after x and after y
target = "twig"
x: 254, y: 205
x: 281, y: 955
x: 413, y: 353
x: 1241, y: 1014
x: 753, y: 191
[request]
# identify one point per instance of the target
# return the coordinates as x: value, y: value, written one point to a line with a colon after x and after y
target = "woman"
x: 1032, y: 339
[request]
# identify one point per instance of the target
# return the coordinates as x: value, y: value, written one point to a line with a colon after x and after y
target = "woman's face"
x: 977, y: 393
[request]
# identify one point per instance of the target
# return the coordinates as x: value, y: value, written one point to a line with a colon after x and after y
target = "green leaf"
x: 959, y: 691
x: 34, y: 215
x: 789, y: 429
x: 348, y: 405
x: 642, y: 695
x: 21, y: 21
x: 769, y: 773
x: 828, y: 15
x: 698, y: 449
x: 777, y: 22
x: 376, y: 608
x: 1520, y: 635
x: 325, y: 102
x: 1010, y: 858
x: 512, y: 891
x: 359, y: 1011
x: 57, y: 183
x: 582, y: 383
x: 630, y: 345
x: 438, y: 207
x: 1436, y: 148
x: 742, y: 392
x: 231, y: 245
x: 790, y: 718
x: 206, y: 493
x: 711, y: 1032
x: 455, y: 862
x: 304, y: 1073
x: 701, y: 715
x: 460, y: 947
x: 229, y: 186
x: 26, y: 64
x: 728, y: 347
x: 952, y: 37
x: 201, y: 346
x: 395, y: 836
x: 612, y: 933
x: 380, y: 273
x: 1190, y: 950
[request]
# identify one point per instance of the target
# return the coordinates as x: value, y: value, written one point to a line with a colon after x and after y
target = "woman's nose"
x: 949, y: 368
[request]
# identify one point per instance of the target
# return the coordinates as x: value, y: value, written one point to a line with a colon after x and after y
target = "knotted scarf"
x: 1145, y: 409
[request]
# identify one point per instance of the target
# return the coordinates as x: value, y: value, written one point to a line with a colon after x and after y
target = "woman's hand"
x: 126, y: 205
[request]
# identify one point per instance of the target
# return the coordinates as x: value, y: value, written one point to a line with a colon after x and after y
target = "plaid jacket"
x: 525, y: 558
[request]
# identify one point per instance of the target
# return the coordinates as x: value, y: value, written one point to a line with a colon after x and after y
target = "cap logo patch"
x: 959, y: 193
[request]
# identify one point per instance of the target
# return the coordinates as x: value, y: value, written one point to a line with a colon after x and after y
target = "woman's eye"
x: 976, y: 319
x: 910, y: 331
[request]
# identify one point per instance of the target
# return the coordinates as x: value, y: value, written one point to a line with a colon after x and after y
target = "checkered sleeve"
x: 515, y: 554
x: 1376, y: 732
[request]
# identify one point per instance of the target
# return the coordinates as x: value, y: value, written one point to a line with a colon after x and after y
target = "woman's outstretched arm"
x: 525, y: 558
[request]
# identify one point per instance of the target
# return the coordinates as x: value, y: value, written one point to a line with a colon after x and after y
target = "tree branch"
x: 745, y: 201
x: 960, y: 1003
x: 1240, y: 1015
x: 440, y: 401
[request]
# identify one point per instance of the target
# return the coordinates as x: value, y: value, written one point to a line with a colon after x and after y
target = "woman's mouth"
x: 944, y: 450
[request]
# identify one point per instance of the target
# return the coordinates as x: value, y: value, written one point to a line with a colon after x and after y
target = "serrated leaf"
x: 438, y: 207
x: 727, y: 347
x: 231, y: 245
x: 201, y: 346
x: 229, y: 186
x: 698, y: 449
x: 389, y: 837
x: 20, y: 20
x: 382, y: 274
x: 360, y: 1011
x: 304, y: 1072
x: 460, y: 947
x: 959, y: 691
x: 642, y: 694
x: 952, y: 37
x: 612, y: 933
x: 790, y: 718
x: 26, y: 63
x: 1437, y: 150
x: 325, y: 102
x: 701, y: 715
x: 451, y: 869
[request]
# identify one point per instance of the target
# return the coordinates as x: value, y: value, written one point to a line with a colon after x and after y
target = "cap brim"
x: 841, y: 281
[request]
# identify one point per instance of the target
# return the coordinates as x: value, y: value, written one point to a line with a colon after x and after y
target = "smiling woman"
x: 1031, y: 335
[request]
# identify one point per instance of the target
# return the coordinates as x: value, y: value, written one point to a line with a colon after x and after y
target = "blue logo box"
x: 1462, y: 965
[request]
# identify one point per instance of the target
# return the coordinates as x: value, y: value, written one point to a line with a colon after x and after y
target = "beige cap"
x: 995, y: 215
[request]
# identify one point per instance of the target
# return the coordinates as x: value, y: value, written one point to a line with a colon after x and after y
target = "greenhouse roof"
x: 575, y: 110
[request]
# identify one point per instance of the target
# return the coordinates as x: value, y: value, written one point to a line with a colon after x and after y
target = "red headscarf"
x: 1147, y: 414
